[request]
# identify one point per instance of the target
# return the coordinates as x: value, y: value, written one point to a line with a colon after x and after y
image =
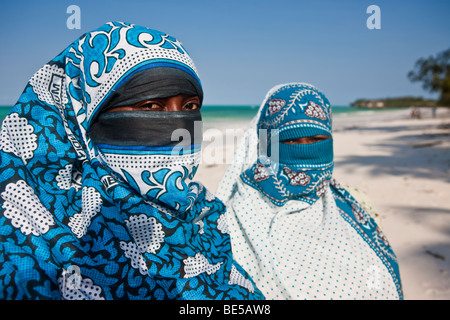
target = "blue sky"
x: 244, y: 47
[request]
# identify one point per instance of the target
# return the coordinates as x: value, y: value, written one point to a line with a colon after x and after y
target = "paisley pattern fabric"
x: 294, y: 228
x: 70, y: 226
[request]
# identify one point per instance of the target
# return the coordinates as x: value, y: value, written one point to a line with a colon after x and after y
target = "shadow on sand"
x: 411, y: 154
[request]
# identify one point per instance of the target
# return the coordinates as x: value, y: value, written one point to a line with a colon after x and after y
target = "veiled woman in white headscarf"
x: 298, y: 232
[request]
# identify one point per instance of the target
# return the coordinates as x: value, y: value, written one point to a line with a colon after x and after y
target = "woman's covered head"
x: 295, y: 145
x: 296, y: 114
x: 120, y: 72
x: 123, y: 64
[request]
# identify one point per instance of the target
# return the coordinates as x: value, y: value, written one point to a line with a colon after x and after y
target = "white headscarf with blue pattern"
x: 309, y: 240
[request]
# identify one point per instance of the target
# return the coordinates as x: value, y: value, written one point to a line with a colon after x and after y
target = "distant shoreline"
x: 236, y: 116
x: 398, y: 102
x: 230, y: 112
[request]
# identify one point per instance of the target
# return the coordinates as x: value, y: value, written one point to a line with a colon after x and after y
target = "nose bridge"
x: 174, y: 103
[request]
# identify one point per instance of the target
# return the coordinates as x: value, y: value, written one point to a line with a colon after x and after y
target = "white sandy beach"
x: 403, y: 166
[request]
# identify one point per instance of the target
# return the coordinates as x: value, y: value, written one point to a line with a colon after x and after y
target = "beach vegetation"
x: 434, y: 73
x: 396, y: 102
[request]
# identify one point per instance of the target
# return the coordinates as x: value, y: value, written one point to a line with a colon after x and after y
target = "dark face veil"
x: 155, y: 152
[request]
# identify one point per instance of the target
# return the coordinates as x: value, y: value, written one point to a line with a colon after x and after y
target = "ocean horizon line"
x: 220, y: 106
x: 243, y: 112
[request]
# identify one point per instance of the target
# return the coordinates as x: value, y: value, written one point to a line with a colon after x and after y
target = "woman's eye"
x: 314, y: 140
x: 305, y: 140
x: 151, y: 106
x: 192, y: 106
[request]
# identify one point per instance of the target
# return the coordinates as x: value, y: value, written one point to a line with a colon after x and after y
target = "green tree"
x: 434, y: 73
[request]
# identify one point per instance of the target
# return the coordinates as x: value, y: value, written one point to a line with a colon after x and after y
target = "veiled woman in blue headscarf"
x: 299, y: 233
x: 97, y: 160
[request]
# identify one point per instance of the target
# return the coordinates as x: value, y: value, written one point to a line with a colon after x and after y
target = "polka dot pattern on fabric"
x: 91, y: 203
x: 193, y: 266
x: 17, y: 135
x: 24, y: 209
x: 74, y: 287
x: 311, y: 253
x: 147, y: 232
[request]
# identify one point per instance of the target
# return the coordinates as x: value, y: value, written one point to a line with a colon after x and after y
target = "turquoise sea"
x: 248, y: 112
x: 226, y: 113
x: 4, y: 110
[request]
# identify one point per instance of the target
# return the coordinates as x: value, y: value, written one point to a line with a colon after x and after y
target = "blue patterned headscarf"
x: 284, y: 171
x: 74, y: 222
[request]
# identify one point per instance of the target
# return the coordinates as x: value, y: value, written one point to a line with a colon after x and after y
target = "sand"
x: 402, y: 166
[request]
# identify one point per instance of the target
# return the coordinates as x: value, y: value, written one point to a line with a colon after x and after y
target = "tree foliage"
x: 397, y: 102
x: 434, y: 73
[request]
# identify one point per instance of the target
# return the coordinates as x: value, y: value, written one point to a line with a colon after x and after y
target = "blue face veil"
x: 99, y: 205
